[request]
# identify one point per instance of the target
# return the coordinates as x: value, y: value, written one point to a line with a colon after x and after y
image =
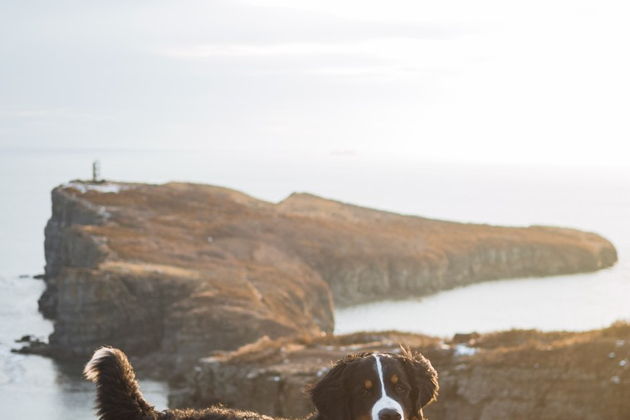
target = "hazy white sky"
x: 542, y: 81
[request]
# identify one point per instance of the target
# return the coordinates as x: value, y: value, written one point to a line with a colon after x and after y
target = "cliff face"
x: 365, y: 254
x: 186, y: 269
x: 508, y: 375
x: 140, y: 269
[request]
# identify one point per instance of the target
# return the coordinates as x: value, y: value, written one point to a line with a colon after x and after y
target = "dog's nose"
x: 388, y: 414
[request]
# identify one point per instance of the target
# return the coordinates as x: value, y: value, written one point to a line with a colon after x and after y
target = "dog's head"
x: 376, y: 386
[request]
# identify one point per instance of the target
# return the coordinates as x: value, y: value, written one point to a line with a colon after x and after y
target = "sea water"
x: 590, y: 198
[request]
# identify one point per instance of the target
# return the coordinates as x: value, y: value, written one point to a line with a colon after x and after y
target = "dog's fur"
x: 363, y: 386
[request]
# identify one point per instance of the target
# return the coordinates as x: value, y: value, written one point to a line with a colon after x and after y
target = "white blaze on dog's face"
x: 376, y: 386
x: 386, y: 407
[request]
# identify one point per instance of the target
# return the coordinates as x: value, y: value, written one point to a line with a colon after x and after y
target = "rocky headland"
x: 518, y: 374
x: 180, y: 270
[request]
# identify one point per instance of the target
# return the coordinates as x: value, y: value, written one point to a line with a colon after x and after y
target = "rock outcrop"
x: 185, y: 269
x: 509, y: 375
x: 146, y: 270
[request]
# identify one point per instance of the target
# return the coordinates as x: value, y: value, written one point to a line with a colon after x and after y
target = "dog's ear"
x: 329, y: 395
x: 423, y: 377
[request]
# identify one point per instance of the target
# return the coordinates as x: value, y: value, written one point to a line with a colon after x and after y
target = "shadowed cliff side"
x: 185, y: 269
x: 518, y: 374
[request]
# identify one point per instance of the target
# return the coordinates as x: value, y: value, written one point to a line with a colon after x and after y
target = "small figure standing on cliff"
x: 96, y: 171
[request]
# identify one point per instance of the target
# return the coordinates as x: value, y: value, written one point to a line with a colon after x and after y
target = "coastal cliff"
x: 185, y: 269
x: 518, y: 374
x: 143, y: 268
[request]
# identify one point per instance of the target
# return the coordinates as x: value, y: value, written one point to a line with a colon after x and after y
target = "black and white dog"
x: 362, y: 386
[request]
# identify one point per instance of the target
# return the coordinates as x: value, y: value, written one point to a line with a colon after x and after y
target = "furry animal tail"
x: 118, y: 395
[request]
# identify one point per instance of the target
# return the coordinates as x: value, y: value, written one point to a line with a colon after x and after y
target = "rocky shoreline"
x: 507, y: 375
x: 179, y: 270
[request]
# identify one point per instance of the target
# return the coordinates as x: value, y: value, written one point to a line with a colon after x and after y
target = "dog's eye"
x: 401, y: 389
x: 364, y: 392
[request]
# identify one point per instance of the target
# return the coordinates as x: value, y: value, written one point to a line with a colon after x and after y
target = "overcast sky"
x: 537, y: 81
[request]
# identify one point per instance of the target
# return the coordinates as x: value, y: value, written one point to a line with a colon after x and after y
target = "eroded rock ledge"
x: 519, y: 374
x: 185, y: 269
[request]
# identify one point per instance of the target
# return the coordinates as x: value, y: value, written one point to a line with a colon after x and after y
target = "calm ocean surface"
x: 594, y: 199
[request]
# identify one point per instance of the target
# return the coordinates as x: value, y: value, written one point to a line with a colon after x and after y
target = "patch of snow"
x: 623, y: 363
x: 615, y: 380
x: 106, y: 187
x: 464, y: 350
